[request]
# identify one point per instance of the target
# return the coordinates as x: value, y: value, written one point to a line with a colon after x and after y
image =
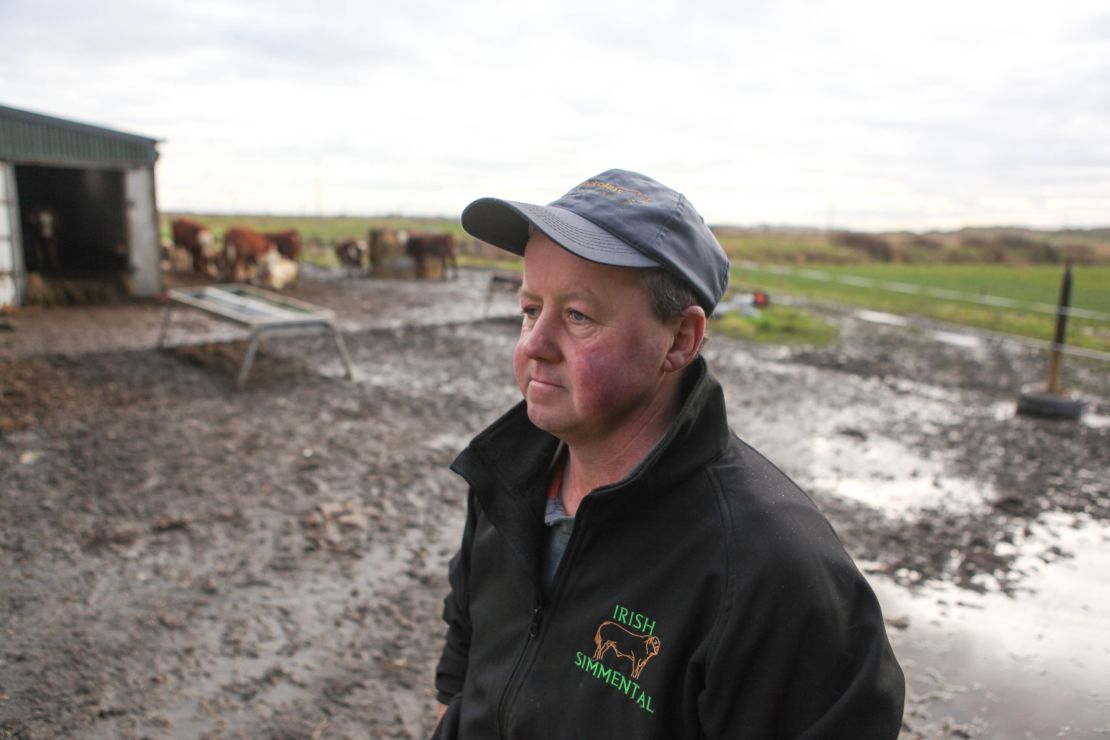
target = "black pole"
x: 1065, y: 302
x: 1061, y: 327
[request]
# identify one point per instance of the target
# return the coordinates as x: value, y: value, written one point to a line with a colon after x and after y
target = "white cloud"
x: 869, y: 113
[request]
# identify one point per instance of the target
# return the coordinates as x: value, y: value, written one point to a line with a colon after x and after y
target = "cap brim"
x: 504, y: 224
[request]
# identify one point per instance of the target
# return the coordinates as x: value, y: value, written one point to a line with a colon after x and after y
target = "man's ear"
x: 689, y: 331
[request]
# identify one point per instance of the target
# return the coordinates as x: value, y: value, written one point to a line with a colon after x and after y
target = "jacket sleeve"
x: 452, y: 666
x: 801, y: 651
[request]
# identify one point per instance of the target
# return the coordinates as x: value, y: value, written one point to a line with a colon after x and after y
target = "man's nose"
x: 538, y: 340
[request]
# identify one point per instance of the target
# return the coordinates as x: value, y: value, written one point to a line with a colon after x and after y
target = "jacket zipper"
x: 508, y: 696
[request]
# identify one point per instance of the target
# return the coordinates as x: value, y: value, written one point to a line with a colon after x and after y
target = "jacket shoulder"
x: 767, y: 518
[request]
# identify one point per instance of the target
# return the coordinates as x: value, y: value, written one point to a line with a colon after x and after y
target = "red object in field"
x: 760, y: 299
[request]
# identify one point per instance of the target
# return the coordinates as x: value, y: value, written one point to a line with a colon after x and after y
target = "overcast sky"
x: 852, y: 113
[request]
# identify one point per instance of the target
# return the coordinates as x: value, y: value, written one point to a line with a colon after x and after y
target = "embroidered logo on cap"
x: 631, y: 196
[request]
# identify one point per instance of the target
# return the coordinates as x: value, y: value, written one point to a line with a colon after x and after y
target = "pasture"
x: 1030, y: 285
x: 977, y: 262
x: 967, y: 246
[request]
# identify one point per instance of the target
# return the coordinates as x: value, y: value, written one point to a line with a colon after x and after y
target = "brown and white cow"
x: 244, y: 248
x: 288, y: 242
x: 275, y: 271
x: 424, y: 247
x: 351, y: 253
x: 195, y: 238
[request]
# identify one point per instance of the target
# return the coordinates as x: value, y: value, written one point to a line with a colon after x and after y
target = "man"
x: 629, y: 568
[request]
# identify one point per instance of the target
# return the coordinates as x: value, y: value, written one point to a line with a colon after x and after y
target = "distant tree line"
x: 968, y: 247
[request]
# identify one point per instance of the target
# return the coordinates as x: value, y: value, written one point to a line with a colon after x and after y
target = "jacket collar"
x: 508, y: 465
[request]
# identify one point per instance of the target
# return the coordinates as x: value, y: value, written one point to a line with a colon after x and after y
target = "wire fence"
x: 895, y: 286
x: 946, y: 294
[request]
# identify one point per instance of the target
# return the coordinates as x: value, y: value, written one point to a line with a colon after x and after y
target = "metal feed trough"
x: 264, y: 312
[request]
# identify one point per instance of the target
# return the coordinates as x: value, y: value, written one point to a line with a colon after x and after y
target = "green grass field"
x: 776, y: 325
x: 1030, y: 285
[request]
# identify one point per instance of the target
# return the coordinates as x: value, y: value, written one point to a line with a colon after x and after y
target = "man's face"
x: 590, y: 356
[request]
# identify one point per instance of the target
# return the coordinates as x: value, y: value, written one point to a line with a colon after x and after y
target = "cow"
x: 351, y: 253
x: 243, y: 249
x: 195, y: 238
x: 41, y: 230
x: 275, y: 271
x: 288, y: 243
x: 422, y: 247
x: 626, y: 644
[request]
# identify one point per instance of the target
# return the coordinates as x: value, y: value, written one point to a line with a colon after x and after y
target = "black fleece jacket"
x: 703, y: 596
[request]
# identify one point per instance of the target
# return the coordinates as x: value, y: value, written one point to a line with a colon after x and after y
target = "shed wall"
x: 142, y: 231
x: 11, y: 247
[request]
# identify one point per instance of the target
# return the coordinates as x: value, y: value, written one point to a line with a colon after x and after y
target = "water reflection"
x: 1032, y: 665
x: 888, y: 476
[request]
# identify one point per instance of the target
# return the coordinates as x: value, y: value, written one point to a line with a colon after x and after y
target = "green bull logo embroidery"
x: 613, y: 637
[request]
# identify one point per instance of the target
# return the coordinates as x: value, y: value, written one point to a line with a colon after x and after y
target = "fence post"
x: 1061, y: 329
x: 1050, y: 402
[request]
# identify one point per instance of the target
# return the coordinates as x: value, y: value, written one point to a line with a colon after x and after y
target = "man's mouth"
x: 543, y: 383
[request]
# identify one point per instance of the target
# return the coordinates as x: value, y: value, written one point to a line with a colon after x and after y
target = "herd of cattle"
x: 271, y: 259
x: 423, y: 249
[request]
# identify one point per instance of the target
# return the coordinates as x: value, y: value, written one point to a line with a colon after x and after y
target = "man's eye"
x: 577, y: 316
x: 530, y: 312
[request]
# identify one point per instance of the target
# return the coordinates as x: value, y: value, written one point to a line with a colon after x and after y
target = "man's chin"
x: 543, y: 418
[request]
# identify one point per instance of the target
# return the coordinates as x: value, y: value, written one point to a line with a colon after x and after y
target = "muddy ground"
x: 182, y: 559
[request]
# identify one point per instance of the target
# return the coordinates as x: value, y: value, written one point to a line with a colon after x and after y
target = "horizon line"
x: 722, y: 225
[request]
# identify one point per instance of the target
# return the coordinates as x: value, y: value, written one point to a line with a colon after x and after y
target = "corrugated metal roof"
x: 36, y: 138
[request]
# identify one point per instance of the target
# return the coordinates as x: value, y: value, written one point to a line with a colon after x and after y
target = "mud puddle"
x: 892, y: 478
x: 835, y: 441
x: 1030, y: 665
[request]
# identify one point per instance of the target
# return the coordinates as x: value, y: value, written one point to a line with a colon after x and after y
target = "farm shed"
x: 77, y: 208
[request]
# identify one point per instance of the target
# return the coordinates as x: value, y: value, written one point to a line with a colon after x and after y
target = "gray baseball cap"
x: 618, y: 218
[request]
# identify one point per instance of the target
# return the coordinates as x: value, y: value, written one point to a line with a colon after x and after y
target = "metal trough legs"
x: 264, y: 312
x: 256, y: 339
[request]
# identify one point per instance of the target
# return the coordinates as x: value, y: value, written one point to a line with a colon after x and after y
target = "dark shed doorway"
x: 73, y: 221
